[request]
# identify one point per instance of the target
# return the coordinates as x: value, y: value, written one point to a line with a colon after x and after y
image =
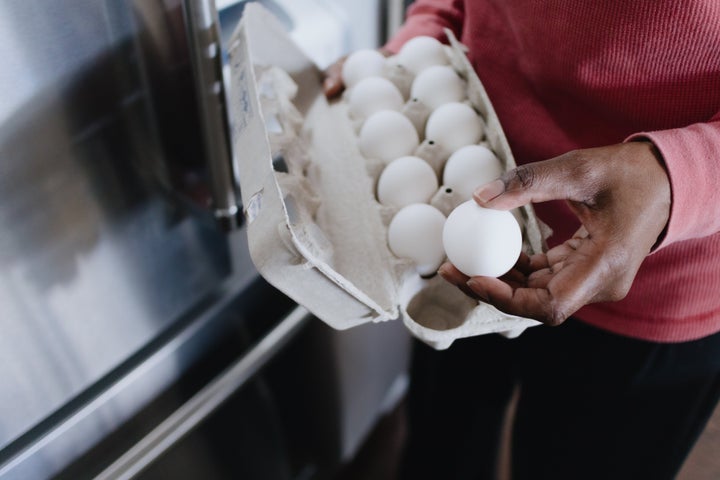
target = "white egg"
x: 469, y: 167
x: 373, y: 94
x: 480, y: 241
x: 454, y: 125
x: 387, y: 135
x: 415, y: 233
x: 406, y: 180
x: 437, y: 85
x: 421, y: 52
x: 362, y: 64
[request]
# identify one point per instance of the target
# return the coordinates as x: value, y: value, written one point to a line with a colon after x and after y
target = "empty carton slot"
x: 440, y: 306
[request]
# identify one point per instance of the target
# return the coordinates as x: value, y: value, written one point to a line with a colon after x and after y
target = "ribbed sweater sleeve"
x: 429, y: 17
x: 692, y: 159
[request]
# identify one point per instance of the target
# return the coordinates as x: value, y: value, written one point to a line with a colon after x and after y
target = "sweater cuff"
x: 692, y: 159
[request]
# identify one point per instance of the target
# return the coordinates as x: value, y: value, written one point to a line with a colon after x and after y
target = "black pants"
x: 592, y: 405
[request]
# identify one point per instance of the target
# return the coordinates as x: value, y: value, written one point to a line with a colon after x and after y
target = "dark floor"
x: 704, y: 461
x: 378, y: 457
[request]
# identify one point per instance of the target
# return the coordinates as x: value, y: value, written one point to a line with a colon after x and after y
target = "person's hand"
x: 333, y: 84
x: 620, y: 194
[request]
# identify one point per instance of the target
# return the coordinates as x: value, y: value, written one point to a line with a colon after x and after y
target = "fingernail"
x: 489, y: 191
x: 442, y: 270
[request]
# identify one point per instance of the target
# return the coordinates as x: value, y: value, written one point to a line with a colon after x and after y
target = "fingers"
x: 333, y: 87
x: 550, y: 296
x: 454, y: 276
x: 606, y: 189
x: 560, y: 283
x: 333, y: 84
x: 562, y: 178
x: 562, y: 251
x: 533, y: 303
x: 619, y: 193
x: 448, y: 271
x: 515, y: 278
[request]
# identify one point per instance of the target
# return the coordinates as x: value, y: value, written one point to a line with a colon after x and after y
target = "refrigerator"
x: 137, y: 340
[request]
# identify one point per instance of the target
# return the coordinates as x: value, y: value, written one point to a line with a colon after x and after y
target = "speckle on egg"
x: 437, y: 85
x: 469, y: 167
x: 454, y: 125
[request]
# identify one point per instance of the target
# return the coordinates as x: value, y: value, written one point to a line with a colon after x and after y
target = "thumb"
x: 560, y: 178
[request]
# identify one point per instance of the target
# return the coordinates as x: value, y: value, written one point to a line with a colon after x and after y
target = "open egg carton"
x: 316, y: 230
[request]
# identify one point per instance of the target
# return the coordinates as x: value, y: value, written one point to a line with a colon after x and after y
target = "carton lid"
x: 339, y: 272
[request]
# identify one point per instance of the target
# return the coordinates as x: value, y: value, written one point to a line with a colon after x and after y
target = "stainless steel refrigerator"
x: 136, y: 338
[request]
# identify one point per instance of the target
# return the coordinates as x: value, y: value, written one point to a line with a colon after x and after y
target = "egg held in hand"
x: 406, y: 180
x: 362, y: 64
x: 469, y: 167
x: 387, y: 135
x: 481, y: 241
x: 454, y: 125
x: 372, y: 94
x: 437, y: 85
x: 421, y: 52
x: 416, y: 233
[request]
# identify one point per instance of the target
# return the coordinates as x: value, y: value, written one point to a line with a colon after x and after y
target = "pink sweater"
x: 569, y: 74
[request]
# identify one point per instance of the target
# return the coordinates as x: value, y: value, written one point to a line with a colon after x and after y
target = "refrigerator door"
x: 116, y: 282
x: 97, y: 260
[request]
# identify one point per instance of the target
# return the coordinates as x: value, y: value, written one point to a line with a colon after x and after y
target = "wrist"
x: 654, y: 165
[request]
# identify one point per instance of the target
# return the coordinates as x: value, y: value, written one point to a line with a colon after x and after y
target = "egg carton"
x: 315, y: 230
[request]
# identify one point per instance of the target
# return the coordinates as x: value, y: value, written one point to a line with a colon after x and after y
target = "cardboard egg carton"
x: 315, y: 229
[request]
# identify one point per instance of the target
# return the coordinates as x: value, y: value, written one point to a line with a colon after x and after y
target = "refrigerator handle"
x: 203, y: 32
x: 183, y: 420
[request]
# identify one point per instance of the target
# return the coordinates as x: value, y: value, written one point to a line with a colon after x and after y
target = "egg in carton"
x: 315, y: 229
